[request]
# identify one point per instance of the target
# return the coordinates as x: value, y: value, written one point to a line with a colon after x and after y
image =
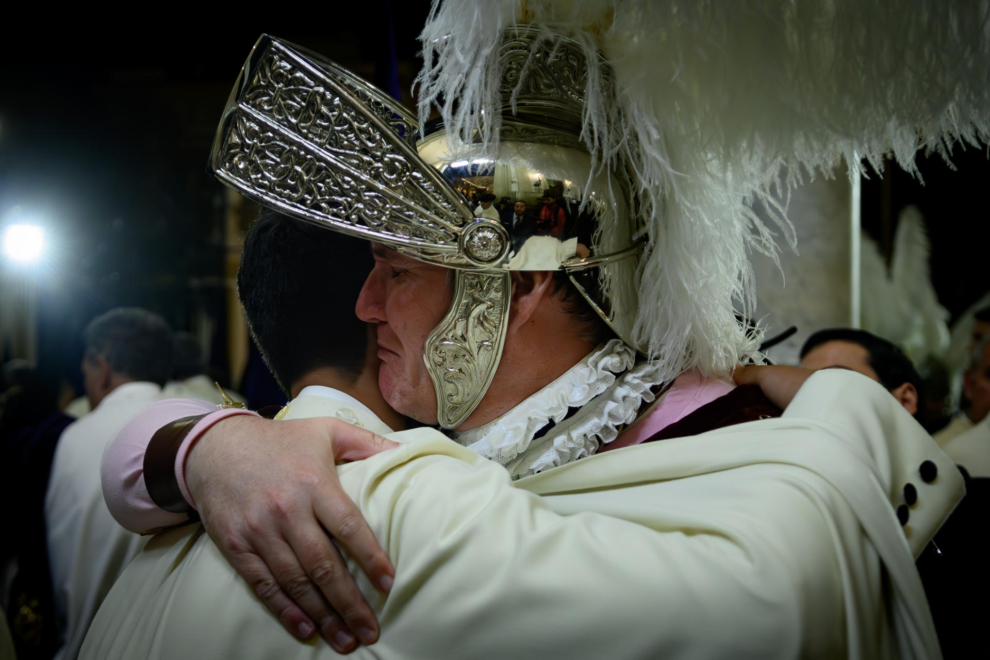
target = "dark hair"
x: 187, y: 358
x: 299, y: 284
x: 891, y: 364
x: 591, y: 326
x: 982, y: 315
x: 135, y: 343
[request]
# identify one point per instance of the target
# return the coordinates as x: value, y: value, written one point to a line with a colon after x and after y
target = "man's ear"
x: 104, y: 374
x: 907, y: 396
x: 529, y: 287
x: 967, y: 385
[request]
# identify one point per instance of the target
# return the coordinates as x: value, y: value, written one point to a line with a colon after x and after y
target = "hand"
x: 779, y: 383
x: 263, y: 490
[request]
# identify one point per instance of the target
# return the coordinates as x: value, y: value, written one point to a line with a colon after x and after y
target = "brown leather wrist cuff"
x: 159, y: 465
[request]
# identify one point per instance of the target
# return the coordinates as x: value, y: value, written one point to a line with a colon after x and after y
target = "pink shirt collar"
x: 689, y: 392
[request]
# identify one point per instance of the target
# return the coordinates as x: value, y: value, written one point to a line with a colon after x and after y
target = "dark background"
x: 106, y: 124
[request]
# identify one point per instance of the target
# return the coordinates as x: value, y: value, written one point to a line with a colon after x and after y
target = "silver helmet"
x: 304, y: 136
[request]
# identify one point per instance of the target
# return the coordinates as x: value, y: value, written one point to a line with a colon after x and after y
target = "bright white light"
x: 23, y: 243
x: 459, y: 163
x: 481, y: 161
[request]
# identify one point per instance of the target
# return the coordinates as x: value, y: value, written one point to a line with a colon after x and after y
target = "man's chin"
x: 396, y: 394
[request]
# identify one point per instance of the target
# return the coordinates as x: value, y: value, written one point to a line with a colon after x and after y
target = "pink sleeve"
x: 122, y: 471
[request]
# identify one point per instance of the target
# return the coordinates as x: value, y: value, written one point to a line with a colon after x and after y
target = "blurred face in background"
x: 840, y: 354
x: 980, y: 330
x: 520, y: 208
x: 96, y: 378
x: 976, y: 387
x: 853, y: 356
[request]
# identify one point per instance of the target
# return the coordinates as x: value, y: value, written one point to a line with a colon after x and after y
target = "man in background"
x: 127, y: 361
x: 485, y: 208
x: 964, y: 419
x: 189, y: 379
x: 552, y: 217
x: 869, y: 355
x: 971, y: 448
x: 513, y: 217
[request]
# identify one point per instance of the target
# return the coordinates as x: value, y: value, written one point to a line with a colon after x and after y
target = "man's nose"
x: 370, y: 306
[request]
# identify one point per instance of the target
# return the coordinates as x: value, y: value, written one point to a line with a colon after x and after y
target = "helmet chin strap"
x: 463, y: 351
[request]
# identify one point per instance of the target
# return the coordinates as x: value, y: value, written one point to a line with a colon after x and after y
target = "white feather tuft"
x: 713, y: 102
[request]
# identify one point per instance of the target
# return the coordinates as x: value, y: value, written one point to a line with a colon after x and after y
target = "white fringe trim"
x: 606, y: 402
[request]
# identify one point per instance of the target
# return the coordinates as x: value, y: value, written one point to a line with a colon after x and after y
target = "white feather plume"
x: 713, y: 102
x: 900, y: 304
x: 925, y: 330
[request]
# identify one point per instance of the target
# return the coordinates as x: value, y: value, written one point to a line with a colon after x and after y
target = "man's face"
x: 95, y: 377
x: 853, y: 356
x: 520, y: 208
x: 405, y: 299
x: 486, y: 205
x: 840, y: 354
x: 976, y: 386
x: 980, y: 330
x: 548, y: 201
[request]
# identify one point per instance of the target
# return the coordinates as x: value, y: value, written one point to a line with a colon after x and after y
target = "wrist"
x: 203, y: 447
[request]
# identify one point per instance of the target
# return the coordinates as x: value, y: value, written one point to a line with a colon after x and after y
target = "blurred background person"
x: 30, y: 427
x: 869, y: 355
x: 965, y: 416
x: 504, y: 205
x: 486, y: 208
x: 127, y: 361
x: 971, y: 448
x: 552, y: 218
x: 514, y: 217
x: 189, y: 378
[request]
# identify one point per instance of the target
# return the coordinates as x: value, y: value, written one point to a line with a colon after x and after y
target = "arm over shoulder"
x: 122, y: 470
x: 487, y: 569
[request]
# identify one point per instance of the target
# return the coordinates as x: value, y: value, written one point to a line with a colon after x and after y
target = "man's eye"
x: 396, y: 272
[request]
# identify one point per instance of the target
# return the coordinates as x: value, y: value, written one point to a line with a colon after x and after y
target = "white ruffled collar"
x: 607, y: 386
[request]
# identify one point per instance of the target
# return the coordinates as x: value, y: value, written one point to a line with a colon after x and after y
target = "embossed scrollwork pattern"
x: 463, y: 352
x: 311, y: 141
x: 554, y: 73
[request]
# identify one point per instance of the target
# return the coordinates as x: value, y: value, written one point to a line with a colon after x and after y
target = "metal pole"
x: 854, y: 244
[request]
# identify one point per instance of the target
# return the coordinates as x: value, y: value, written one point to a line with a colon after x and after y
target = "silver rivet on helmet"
x: 484, y: 242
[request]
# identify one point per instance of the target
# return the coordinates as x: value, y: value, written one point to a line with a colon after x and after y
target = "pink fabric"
x: 122, y: 471
x: 689, y: 392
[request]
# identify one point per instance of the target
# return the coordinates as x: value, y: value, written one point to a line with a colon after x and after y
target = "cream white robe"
x: 770, y: 539
x: 200, y: 387
x: 971, y: 449
x: 87, y: 549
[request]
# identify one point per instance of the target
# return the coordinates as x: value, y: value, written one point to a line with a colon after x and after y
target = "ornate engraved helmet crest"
x: 304, y: 136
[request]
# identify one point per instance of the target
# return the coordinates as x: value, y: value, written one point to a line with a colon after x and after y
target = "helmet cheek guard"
x: 304, y: 136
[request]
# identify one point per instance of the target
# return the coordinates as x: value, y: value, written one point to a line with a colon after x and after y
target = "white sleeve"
x: 485, y: 569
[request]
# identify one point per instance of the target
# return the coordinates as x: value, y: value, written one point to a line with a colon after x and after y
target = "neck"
x: 365, y: 389
x: 116, y: 380
x: 524, y: 370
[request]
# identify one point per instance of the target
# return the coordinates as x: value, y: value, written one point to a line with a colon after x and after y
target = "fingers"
x: 353, y: 443
x: 343, y: 521
x: 255, y: 572
x: 328, y: 571
x: 746, y: 374
x: 296, y: 585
